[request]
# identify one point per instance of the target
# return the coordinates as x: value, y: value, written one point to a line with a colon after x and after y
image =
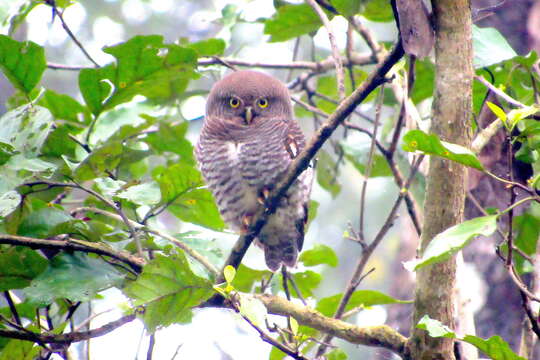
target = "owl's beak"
x: 248, y: 115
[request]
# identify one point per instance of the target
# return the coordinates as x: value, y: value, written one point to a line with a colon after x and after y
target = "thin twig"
x: 498, y: 92
x: 12, y: 308
x: 69, y: 337
x: 338, y: 62
x: 70, y: 33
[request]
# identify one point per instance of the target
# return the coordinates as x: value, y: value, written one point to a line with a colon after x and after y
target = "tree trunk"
x: 446, y: 185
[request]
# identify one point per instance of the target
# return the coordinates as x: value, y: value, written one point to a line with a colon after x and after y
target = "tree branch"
x: 134, y: 262
x: 69, y: 337
x: 378, y: 336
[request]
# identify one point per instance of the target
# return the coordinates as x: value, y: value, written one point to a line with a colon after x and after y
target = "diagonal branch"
x: 346, y: 107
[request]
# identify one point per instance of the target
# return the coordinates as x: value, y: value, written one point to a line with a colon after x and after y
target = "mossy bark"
x: 446, y: 180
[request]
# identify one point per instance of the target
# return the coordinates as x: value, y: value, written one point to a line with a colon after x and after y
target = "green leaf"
x: 497, y: 111
x: 307, y: 281
x: 527, y: 227
x: 365, y: 298
x: 18, y: 266
x: 198, y: 207
x: 246, y: 278
x: 425, y: 79
x: 62, y: 107
x: 229, y: 273
x: 26, y: 128
x: 336, y: 354
x: 208, y: 47
x: 453, y: 239
x: 347, y: 7
x: 326, y: 173
x: 435, y: 328
x: 176, y: 180
x: 494, y: 347
x: 319, y: 254
x: 291, y: 21
x: 253, y: 309
x: 144, y: 66
x: 142, y: 194
x: 38, y: 224
x: 378, y: 10
x: 102, y: 159
x: 6, y: 152
x: 23, y: 63
x: 490, y: 47
x: 430, y: 144
x: 516, y: 115
x: 77, y: 277
x: 276, y: 354
x: 9, y: 202
x: 358, y: 152
x: 168, y: 289
x: 172, y: 138
x: 20, y: 350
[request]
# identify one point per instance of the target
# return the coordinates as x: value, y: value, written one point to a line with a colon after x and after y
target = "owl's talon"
x: 246, y: 222
x: 263, y: 196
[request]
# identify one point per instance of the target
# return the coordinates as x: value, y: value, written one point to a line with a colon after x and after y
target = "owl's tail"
x: 284, y: 251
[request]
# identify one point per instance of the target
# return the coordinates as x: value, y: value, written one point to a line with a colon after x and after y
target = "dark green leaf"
x: 168, y: 289
x: 23, y: 63
x: 319, y: 254
x: 527, y: 227
x: 326, y: 173
x: 176, y: 180
x: 494, y: 347
x: 102, y: 159
x: 198, y: 207
x: 490, y: 47
x: 18, y: 266
x: 172, y: 139
x: 38, y: 224
x: 77, y: 277
x: 425, y: 79
x: 453, y: 239
x: 365, y: 298
x: 62, y: 106
x: 430, y: 144
x: 291, y: 21
x: 140, y: 69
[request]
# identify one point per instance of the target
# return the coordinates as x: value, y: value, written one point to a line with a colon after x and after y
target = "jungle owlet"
x: 248, y: 140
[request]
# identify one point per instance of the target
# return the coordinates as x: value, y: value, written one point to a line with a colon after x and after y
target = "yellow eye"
x: 262, y: 103
x: 234, y: 102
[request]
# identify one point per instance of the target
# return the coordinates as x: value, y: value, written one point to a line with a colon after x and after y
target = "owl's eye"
x: 234, y: 102
x: 262, y: 103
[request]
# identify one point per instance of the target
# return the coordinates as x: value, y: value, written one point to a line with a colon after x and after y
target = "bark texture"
x: 446, y: 185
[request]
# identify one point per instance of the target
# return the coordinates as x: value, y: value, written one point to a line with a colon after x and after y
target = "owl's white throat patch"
x: 233, y: 149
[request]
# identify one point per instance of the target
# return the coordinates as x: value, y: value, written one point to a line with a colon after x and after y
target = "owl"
x: 248, y: 140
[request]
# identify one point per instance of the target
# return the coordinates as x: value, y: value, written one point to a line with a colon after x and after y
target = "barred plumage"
x: 248, y: 140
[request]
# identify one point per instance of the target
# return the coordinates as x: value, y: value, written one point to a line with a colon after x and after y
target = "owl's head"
x: 249, y: 98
